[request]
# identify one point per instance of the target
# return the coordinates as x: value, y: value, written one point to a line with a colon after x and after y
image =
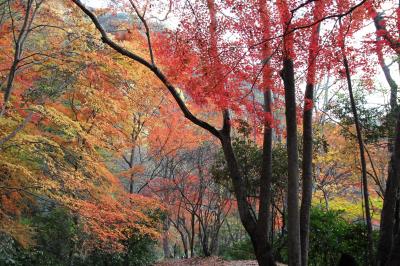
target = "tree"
x: 196, y: 204
x: 29, y: 11
x: 207, y: 38
x: 307, y: 156
x: 394, y: 258
x: 223, y: 135
x: 74, y: 110
x: 388, y: 216
x: 362, y: 152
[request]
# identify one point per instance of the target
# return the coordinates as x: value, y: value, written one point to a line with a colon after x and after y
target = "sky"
x: 96, y: 3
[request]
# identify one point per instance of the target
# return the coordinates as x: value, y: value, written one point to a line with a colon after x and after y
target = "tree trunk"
x: 394, y: 258
x: 263, y: 222
x: 272, y: 226
x: 388, y: 214
x: 264, y: 250
x: 260, y: 243
x: 204, y: 237
x: 264, y: 254
x: 204, y: 244
x: 388, y: 211
x: 307, y: 167
x: 307, y: 174
x: 293, y: 164
x: 192, y: 235
x: 387, y: 217
x: 363, y: 162
x: 165, y: 238
x: 184, y: 243
x: 397, y: 214
x: 326, y: 199
x: 261, y: 247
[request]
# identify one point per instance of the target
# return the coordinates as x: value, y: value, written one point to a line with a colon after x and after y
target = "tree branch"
x: 15, y: 131
x: 141, y: 17
x: 153, y: 68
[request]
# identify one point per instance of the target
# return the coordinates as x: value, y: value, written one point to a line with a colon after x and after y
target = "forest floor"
x: 211, y: 261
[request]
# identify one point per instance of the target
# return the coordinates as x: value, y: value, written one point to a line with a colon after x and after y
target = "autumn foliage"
x: 119, y: 114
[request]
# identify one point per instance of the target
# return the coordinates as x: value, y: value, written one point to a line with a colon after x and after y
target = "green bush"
x: 59, y: 242
x: 240, y: 250
x: 331, y: 235
x: 140, y: 251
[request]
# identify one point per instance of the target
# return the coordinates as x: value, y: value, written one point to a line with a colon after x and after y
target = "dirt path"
x: 212, y: 261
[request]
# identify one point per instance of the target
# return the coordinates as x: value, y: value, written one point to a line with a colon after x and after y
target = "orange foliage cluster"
x: 72, y: 103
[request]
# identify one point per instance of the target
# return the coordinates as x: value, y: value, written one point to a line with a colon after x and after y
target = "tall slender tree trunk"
x: 307, y: 175
x: 266, y: 172
x: 192, y: 232
x: 362, y: 160
x: 272, y: 236
x: 388, y: 214
x: 287, y: 74
x: 307, y: 167
x: 264, y: 250
x: 165, y: 238
x: 204, y: 243
x: 394, y: 257
x: 293, y: 164
x: 184, y: 243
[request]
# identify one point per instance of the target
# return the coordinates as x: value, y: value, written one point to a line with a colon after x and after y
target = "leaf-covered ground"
x: 211, y: 261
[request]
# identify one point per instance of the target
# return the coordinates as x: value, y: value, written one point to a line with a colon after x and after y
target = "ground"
x: 211, y: 261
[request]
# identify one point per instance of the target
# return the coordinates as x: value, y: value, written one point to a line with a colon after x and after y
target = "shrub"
x: 240, y: 250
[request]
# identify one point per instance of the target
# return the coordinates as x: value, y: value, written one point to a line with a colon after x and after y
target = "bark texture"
x: 307, y: 175
x: 394, y: 257
x: 293, y: 164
